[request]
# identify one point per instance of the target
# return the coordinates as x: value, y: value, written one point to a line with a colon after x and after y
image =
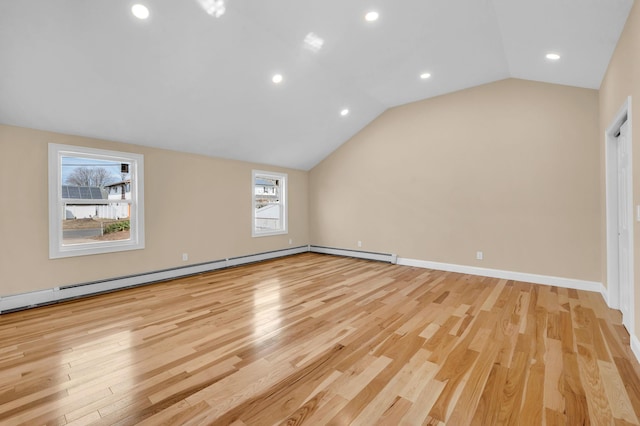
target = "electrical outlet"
x: 359, y: 243
x: 479, y: 255
x: 185, y: 257
x: 290, y: 241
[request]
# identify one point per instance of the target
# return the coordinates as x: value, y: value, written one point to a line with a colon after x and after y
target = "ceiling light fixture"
x: 425, y: 75
x: 277, y: 78
x: 313, y: 42
x: 344, y: 112
x: 552, y: 56
x: 140, y: 11
x: 371, y: 16
x: 213, y: 7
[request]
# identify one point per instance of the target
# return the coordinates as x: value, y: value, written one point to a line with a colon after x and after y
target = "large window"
x: 269, y: 203
x: 95, y: 201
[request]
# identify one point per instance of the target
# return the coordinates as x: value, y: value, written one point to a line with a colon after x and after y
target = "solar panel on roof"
x: 74, y: 192
x: 82, y: 192
x: 96, y: 194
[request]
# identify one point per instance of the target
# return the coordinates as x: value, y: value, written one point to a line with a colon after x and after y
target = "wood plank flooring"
x: 315, y: 339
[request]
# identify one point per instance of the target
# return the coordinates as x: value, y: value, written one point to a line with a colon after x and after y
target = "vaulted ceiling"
x: 189, y: 81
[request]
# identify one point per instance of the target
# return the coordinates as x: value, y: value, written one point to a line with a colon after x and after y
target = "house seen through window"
x: 95, y: 201
x: 269, y: 203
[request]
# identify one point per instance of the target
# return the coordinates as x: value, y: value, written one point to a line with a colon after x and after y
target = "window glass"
x: 269, y: 203
x: 95, y: 201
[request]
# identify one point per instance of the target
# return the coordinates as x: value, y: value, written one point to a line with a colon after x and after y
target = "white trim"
x: 381, y: 257
x: 284, y: 184
x: 635, y: 347
x: 43, y: 297
x: 605, y: 296
x: 611, y: 199
x: 508, y: 275
x: 136, y: 242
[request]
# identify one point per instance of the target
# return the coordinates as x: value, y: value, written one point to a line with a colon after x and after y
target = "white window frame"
x: 282, y: 177
x: 136, y: 241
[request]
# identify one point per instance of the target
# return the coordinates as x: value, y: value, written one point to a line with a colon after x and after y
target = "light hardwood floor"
x: 319, y: 339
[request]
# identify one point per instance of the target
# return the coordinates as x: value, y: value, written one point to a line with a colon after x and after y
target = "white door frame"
x: 611, y: 181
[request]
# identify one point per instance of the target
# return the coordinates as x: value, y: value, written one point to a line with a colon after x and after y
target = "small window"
x: 95, y: 201
x: 269, y: 203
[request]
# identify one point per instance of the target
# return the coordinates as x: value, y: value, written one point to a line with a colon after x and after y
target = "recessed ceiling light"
x: 425, y: 75
x: 553, y: 56
x: 277, y: 78
x: 140, y: 11
x: 213, y: 7
x: 372, y: 16
x: 344, y: 112
x: 313, y: 42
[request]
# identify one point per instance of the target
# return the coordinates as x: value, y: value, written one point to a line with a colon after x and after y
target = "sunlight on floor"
x: 266, y: 309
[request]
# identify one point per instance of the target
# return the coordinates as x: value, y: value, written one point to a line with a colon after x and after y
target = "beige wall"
x: 622, y: 80
x: 193, y: 204
x: 509, y: 168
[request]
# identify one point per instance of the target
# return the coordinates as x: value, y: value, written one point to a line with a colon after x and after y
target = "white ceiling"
x: 187, y: 81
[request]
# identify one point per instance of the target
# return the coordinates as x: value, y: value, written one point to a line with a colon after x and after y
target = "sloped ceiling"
x: 188, y: 81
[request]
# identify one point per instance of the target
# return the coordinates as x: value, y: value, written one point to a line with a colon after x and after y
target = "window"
x: 269, y: 203
x: 95, y: 201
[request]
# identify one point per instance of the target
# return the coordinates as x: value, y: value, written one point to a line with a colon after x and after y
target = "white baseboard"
x: 605, y: 296
x: 635, y: 347
x: 508, y: 275
x: 43, y: 297
x: 382, y: 257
